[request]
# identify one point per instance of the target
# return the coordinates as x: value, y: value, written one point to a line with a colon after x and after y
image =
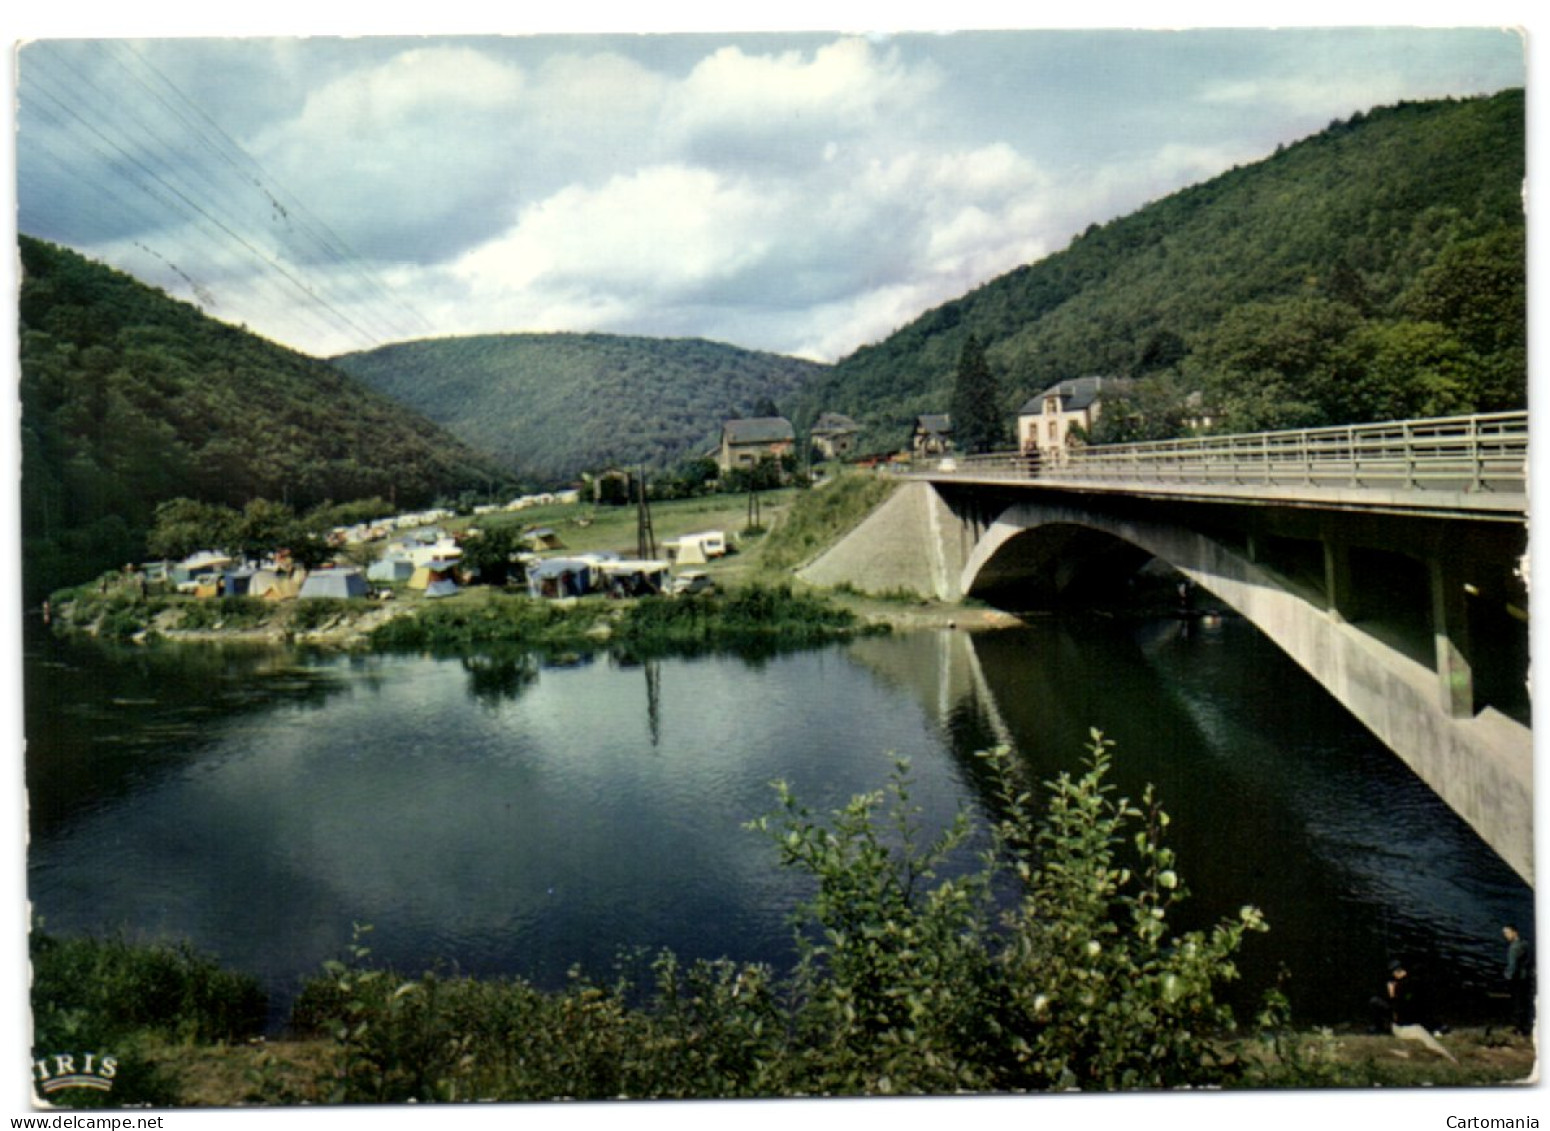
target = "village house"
x: 745, y: 442
x: 933, y: 435
x: 613, y: 487
x: 834, y: 435
x: 1046, y: 423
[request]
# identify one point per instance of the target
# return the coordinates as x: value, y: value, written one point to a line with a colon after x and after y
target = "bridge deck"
x: 1502, y: 505
x: 1472, y: 466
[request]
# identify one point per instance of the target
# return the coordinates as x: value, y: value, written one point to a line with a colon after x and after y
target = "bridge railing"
x: 1481, y: 453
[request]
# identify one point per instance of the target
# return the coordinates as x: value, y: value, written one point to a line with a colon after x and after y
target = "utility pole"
x: 753, y: 508
x: 645, y: 536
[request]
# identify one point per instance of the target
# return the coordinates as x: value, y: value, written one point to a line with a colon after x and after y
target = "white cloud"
x: 404, y: 156
x: 801, y: 198
x: 586, y: 116
x: 747, y: 253
x: 1315, y: 95
x: 846, y: 85
x: 789, y: 108
x: 785, y: 198
x: 663, y: 228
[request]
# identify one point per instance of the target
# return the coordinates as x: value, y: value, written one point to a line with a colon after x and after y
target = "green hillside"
x: 551, y: 405
x: 1374, y: 270
x: 129, y: 398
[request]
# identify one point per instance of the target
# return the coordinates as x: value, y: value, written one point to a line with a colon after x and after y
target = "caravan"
x: 696, y: 549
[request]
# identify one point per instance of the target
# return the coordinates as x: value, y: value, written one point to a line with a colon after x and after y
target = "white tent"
x: 391, y: 569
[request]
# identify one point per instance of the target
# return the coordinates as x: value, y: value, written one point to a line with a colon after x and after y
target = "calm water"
x: 513, y: 816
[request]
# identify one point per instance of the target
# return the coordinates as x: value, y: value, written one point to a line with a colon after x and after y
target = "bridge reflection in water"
x: 1279, y: 798
x: 1386, y: 560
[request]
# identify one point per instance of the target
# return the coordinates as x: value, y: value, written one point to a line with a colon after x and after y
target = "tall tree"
x: 976, y: 404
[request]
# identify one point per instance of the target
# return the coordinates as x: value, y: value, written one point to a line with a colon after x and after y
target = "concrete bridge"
x: 1386, y: 560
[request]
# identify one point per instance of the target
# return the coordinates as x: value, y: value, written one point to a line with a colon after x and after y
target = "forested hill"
x: 1375, y: 270
x: 130, y: 398
x: 552, y: 405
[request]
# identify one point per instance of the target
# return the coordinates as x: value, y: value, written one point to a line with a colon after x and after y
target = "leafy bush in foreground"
x: 108, y: 996
x: 912, y: 977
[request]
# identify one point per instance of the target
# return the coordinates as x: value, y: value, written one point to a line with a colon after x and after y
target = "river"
x: 518, y: 815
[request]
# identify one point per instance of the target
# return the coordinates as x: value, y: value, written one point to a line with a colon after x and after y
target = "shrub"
x: 109, y: 996
x: 909, y: 982
x: 896, y: 969
x: 225, y: 612
x: 318, y: 612
x: 918, y: 973
x: 500, y: 619
x: 115, y: 613
x: 1099, y: 993
x: 125, y: 986
x: 752, y: 611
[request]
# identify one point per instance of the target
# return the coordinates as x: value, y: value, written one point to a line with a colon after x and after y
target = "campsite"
x: 398, y: 566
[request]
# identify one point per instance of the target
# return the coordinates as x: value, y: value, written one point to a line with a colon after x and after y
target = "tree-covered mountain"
x: 129, y: 398
x: 1375, y: 270
x: 552, y: 405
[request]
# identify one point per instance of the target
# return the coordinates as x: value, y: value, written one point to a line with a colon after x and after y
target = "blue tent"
x: 561, y: 577
x: 239, y: 580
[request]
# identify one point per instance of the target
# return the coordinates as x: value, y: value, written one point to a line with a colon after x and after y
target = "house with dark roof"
x: 933, y: 435
x: 833, y: 435
x: 745, y: 442
x: 1046, y: 423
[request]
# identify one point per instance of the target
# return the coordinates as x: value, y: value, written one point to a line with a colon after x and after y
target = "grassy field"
x: 796, y: 525
x: 584, y: 528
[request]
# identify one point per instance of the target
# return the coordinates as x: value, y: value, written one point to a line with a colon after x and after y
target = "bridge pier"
x: 1450, y: 634
x: 1339, y: 586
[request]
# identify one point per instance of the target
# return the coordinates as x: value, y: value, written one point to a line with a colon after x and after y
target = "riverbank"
x: 755, y: 612
x: 301, y: 1071
x: 183, y: 1031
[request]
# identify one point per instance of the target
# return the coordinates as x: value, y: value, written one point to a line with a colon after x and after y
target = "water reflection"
x: 496, y: 677
x: 103, y: 722
x: 512, y: 814
x: 520, y: 837
x: 1279, y: 797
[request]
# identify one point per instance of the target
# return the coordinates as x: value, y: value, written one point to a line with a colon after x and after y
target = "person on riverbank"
x: 1519, y: 974
x: 1405, y: 1010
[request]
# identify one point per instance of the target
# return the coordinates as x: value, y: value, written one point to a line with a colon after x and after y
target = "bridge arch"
x: 1480, y: 764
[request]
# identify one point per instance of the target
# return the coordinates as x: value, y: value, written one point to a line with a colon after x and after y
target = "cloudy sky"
x: 802, y: 193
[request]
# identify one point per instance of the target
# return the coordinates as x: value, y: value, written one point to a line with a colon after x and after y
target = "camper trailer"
x: 696, y: 549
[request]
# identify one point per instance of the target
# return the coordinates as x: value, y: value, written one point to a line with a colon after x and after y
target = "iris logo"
x: 66, y: 1070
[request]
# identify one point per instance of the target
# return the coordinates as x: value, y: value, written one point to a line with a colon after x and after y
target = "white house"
x: 1045, y: 422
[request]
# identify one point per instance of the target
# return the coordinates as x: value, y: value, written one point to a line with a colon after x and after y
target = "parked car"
x: 692, y: 581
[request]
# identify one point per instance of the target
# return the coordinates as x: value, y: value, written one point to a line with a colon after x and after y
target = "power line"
x: 154, y: 189
x: 185, y: 164
x: 184, y: 201
x: 286, y: 202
